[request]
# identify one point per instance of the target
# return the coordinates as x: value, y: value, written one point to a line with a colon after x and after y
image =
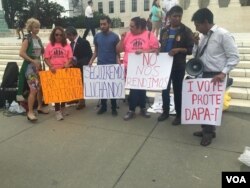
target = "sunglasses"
x: 58, y: 34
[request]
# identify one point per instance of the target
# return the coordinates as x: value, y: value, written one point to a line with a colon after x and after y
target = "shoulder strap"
x: 30, y: 44
x: 203, y: 49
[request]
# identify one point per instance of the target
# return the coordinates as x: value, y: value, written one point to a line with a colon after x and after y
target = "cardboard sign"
x: 104, y: 82
x: 148, y: 71
x: 65, y: 85
x: 202, y: 101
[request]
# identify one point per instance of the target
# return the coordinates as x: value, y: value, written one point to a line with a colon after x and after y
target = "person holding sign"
x: 82, y: 53
x: 31, y: 51
x: 105, y: 51
x: 219, y: 57
x: 176, y: 39
x: 58, y: 55
x: 138, y: 41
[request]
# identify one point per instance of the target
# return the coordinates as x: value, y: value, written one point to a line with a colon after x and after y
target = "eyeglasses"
x: 57, y: 34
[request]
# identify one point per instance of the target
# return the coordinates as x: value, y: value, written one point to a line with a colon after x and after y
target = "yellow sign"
x: 62, y: 86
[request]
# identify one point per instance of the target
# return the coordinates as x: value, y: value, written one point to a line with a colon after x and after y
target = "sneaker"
x: 129, y: 115
x: 114, y: 113
x: 59, y: 115
x: 144, y: 113
x: 177, y: 121
x: 64, y: 112
x: 163, y: 116
x: 101, y: 111
x: 20, y: 98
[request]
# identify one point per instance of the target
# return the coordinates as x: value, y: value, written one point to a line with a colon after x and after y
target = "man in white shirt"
x: 219, y: 58
x: 89, y: 14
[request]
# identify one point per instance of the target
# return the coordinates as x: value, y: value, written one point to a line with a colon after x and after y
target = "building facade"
x: 227, y: 12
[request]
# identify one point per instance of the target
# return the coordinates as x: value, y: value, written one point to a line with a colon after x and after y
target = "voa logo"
x: 236, y: 179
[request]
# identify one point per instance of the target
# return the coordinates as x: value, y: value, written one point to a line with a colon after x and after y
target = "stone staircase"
x: 240, y: 91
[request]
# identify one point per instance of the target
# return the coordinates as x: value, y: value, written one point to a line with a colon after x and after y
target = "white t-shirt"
x: 89, y: 12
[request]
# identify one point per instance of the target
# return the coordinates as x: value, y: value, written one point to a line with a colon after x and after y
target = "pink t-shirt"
x: 58, y: 54
x: 143, y: 41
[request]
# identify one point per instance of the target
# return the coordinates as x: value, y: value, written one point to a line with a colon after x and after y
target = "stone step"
x: 9, y: 57
x: 10, y: 48
x: 239, y: 105
x: 239, y: 93
x: 10, y: 52
x: 2, y: 67
x: 239, y: 72
x: 243, y: 65
x: 4, y: 62
x: 243, y: 43
x: 244, y: 50
x: 242, y: 82
x: 245, y: 57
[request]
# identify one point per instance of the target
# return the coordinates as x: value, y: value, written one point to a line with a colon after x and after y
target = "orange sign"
x: 65, y: 85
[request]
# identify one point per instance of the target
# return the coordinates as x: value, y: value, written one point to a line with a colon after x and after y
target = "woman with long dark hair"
x: 138, y: 41
x: 58, y: 55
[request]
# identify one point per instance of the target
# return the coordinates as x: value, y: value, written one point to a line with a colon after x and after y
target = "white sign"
x: 148, y: 71
x: 104, y: 82
x: 202, y: 101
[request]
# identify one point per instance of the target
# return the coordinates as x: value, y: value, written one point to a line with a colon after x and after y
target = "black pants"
x: 104, y: 104
x: 89, y: 26
x: 176, y: 77
x: 137, y: 97
x: 208, y: 128
x: 59, y: 106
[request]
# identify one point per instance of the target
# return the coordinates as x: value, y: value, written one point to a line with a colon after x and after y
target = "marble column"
x: 1, y: 7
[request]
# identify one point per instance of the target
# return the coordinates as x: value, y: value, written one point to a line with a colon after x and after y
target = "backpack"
x: 10, y: 75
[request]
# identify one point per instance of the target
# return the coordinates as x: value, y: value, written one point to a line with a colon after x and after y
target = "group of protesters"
x: 176, y: 39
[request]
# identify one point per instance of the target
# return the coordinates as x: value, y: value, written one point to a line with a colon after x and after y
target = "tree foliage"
x: 79, y: 21
x: 12, y: 9
x: 46, y: 12
x: 75, y: 3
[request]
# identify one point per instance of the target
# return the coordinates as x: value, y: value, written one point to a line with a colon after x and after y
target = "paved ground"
x: 90, y: 151
x: 86, y: 150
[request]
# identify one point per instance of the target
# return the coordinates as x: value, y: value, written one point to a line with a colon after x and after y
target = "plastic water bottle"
x: 7, y: 105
